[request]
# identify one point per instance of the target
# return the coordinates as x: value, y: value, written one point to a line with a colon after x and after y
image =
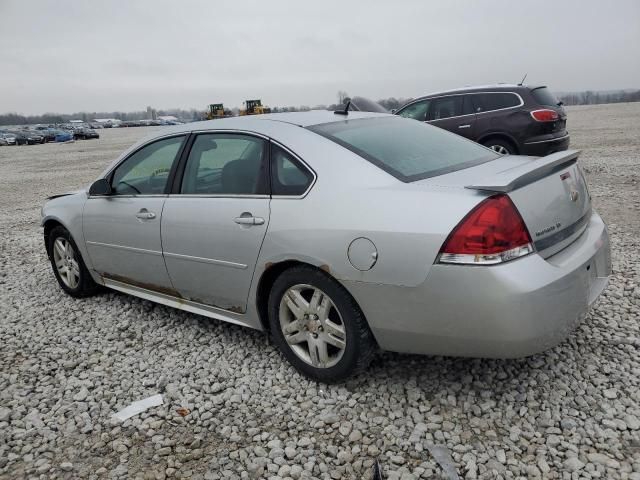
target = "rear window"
x: 543, y: 96
x: 406, y: 149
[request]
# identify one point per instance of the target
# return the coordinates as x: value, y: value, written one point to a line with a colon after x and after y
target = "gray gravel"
x: 66, y: 366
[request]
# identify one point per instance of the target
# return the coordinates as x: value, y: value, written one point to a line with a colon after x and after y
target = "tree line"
x: 587, y: 97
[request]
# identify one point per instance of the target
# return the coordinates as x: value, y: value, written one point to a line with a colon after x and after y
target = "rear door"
x: 453, y: 113
x: 122, y: 230
x: 215, y: 220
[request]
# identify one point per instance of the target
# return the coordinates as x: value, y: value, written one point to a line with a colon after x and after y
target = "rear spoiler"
x: 521, y: 175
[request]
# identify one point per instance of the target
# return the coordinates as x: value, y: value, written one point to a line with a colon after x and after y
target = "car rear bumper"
x: 544, y: 146
x: 503, y: 311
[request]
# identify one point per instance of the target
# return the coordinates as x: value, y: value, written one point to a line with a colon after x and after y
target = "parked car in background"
x: 341, y: 233
x: 85, y: 133
x: 510, y: 119
x: 3, y: 142
x: 8, y: 138
x: 62, y: 136
x: 26, y: 137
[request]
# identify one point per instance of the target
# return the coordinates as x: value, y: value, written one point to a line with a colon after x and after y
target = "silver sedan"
x: 341, y: 234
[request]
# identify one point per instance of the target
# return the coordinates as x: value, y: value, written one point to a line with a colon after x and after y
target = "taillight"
x: 545, y: 115
x: 493, y: 232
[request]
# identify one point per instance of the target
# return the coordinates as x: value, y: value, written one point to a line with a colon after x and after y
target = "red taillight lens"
x: 545, y: 115
x: 493, y: 232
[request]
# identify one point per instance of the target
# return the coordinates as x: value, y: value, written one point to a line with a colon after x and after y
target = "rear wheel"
x: 318, y: 326
x: 68, y: 266
x: 503, y: 147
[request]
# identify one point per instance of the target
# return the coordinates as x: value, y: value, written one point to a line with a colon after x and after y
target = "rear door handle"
x: 249, y: 220
x: 464, y: 126
x: 145, y: 214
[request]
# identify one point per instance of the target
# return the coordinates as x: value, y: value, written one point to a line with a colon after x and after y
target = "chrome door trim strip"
x: 123, y: 247
x: 179, y: 303
x: 213, y: 261
x: 217, y: 195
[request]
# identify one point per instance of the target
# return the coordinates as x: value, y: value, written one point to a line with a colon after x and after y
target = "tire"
x: 315, y: 333
x: 503, y: 147
x: 64, y: 255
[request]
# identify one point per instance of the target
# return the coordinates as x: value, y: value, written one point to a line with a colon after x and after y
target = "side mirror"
x: 394, y: 110
x: 100, y: 187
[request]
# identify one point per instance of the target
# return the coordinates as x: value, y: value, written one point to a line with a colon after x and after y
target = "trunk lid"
x: 549, y: 192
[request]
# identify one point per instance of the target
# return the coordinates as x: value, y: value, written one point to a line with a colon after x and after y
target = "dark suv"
x: 510, y: 119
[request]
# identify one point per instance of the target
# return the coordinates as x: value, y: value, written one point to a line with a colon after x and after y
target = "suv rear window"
x: 543, y: 96
x: 404, y: 148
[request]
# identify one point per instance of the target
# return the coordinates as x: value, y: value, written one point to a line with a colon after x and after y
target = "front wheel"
x: 68, y: 266
x: 318, y: 326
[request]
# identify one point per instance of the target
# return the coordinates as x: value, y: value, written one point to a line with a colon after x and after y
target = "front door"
x: 212, y: 230
x: 122, y: 230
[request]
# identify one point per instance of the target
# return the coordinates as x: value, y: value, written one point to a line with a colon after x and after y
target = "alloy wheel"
x: 499, y: 149
x: 312, y: 326
x: 66, y: 263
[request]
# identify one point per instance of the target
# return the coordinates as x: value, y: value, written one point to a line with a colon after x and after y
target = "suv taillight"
x: 493, y: 232
x: 545, y: 115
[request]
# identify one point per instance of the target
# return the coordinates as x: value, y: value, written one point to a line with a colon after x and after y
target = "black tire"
x: 86, y: 286
x: 504, y: 147
x: 360, y: 346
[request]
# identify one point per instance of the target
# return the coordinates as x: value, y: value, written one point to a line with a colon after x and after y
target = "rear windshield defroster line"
x: 407, y: 149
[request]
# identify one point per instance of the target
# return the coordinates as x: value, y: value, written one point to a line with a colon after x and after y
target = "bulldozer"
x: 216, y: 110
x: 254, y: 107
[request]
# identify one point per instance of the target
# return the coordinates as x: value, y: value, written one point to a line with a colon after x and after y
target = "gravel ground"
x: 67, y: 365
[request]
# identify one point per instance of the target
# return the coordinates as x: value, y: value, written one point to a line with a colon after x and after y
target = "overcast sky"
x: 67, y: 56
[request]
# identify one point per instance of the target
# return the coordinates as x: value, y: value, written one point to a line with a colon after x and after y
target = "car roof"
x: 253, y: 122
x: 497, y: 87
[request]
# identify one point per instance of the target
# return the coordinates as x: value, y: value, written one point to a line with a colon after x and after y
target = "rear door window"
x: 445, y: 107
x: 486, y: 102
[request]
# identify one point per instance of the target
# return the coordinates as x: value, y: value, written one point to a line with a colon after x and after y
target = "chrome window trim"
x: 466, y: 114
x: 304, y: 164
x: 217, y: 195
x: 143, y: 195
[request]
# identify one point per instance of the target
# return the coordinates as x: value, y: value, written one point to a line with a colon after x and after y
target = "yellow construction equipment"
x: 216, y: 110
x: 254, y: 107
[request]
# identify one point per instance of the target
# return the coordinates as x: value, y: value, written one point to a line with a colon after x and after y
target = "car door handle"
x: 145, y: 214
x: 464, y: 126
x: 249, y: 220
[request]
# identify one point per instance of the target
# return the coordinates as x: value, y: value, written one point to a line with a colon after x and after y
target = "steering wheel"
x: 129, y: 185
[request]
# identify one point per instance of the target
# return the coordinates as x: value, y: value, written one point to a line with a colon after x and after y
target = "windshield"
x: 404, y: 148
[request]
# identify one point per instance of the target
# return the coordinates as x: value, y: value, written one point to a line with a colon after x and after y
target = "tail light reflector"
x: 545, y: 115
x: 493, y: 232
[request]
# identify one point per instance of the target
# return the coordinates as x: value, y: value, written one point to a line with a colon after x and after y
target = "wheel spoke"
x: 60, y: 247
x: 292, y: 327
x: 296, y: 303
x: 69, y: 249
x: 317, y: 297
x: 74, y: 269
x: 59, y: 263
x: 324, y: 308
x: 296, y: 338
x: 313, y: 354
x: 323, y: 353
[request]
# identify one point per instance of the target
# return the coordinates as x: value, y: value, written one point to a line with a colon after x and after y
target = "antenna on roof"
x: 522, y: 81
x: 346, y: 108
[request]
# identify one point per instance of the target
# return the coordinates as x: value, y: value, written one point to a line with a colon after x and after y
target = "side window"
x: 485, y: 102
x: 288, y: 176
x: 445, y: 107
x: 225, y: 164
x: 147, y: 170
x: 467, y: 105
x: 416, y: 111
